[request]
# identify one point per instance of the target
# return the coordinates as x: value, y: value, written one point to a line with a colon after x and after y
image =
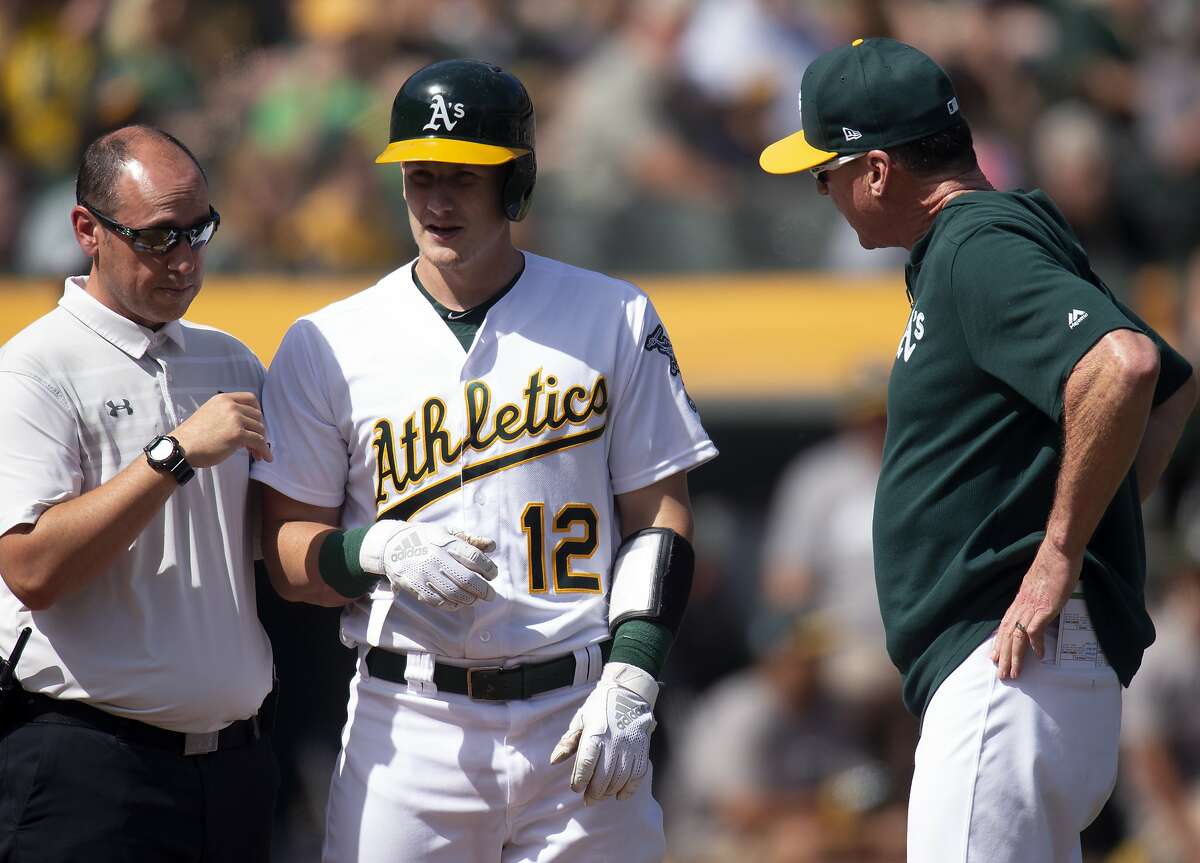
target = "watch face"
x: 162, y: 449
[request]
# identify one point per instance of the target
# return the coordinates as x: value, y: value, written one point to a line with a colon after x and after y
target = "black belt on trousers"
x: 487, y: 682
x: 35, y: 707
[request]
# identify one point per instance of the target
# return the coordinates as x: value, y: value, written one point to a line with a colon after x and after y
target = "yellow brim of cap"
x: 448, y: 150
x: 792, y: 154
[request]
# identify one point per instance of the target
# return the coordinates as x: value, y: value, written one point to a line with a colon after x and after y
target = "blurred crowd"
x: 786, y: 742
x: 651, y: 115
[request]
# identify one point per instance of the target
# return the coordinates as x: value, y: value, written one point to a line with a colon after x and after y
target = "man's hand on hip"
x: 610, y: 734
x: 446, y: 569
x: 1044, y: 591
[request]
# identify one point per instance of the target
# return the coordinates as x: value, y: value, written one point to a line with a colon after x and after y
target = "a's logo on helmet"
x: 441, y: 113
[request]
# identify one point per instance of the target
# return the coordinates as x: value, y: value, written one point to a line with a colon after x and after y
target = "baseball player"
x: 1029, y: 413
x: 484, y: 457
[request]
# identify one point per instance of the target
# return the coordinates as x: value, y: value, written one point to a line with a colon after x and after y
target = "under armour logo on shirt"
x: 441, y: 113
x: 114, y: 409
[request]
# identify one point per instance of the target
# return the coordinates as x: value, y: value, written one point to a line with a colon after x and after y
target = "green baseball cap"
x: 869, y: 95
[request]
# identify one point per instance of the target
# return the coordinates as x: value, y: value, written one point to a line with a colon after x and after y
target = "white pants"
x: 439, y: 777
x: 1011, y: 771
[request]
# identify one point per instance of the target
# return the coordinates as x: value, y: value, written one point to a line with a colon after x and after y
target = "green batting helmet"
x: 469, y: 113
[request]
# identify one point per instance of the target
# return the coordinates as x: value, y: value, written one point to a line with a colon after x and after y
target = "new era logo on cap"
x: 851, y: 134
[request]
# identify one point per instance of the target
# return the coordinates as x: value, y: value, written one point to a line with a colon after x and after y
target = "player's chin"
x: 442, y: 256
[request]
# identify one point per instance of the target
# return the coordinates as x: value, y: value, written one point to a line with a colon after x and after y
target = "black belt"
x: 488, y: 682
x: 35, y: 707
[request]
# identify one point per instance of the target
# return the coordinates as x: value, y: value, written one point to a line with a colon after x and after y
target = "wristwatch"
x: 165, y: 455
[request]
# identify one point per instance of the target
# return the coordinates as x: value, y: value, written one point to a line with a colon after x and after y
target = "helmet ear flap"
x: 518, y: 187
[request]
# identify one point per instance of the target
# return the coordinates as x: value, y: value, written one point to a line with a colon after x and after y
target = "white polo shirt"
x: 169, y: 635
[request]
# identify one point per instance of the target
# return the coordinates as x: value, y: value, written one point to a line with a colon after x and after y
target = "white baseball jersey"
x: 169, y: 634
x: 569, y: 394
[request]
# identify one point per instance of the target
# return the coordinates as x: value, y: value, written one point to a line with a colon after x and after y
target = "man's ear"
x: 87, y: 231
x: 879, y: 172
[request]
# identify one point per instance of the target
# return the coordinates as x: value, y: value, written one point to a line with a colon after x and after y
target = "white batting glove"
x: 610, y: 734
x: 447, y: 569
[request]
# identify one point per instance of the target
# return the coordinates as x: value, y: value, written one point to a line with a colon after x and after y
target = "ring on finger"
x: 1020, y: 627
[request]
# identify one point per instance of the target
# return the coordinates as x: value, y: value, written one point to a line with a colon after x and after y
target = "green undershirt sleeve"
x: 337, y: 563
x: 642, y: 643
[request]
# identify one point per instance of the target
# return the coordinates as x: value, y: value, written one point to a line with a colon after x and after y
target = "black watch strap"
x: 175, y: 462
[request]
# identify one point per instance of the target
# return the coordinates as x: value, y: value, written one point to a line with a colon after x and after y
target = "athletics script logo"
x: 409, y: 452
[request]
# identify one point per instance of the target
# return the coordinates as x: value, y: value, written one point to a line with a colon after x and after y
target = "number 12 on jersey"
x: 566, y: 524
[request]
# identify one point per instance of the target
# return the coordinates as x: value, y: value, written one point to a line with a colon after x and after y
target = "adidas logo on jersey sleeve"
x: 1075, y: 317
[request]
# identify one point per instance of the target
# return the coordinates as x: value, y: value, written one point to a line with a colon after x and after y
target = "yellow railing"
x: 738, y: 337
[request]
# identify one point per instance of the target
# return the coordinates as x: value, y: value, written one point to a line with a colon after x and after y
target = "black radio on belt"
x: 9, y: 685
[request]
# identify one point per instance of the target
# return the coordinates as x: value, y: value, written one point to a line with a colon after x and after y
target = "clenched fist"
x: 222, y: 425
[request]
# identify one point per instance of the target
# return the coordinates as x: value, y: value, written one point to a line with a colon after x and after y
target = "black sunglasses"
x: 159, y: 241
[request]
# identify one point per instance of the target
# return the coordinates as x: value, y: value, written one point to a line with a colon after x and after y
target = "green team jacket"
x: 1004, y: 304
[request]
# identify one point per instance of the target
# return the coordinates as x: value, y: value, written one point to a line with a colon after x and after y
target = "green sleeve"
x: 1173, y: 369
x: 337, y: 563
x: 1026, y: 318
x: 642, y: 643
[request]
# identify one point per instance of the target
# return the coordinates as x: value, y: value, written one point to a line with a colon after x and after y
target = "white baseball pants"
x: 439, y: 778
x: 1011, y: 771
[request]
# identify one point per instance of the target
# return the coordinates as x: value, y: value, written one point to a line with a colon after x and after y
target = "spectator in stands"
x: 1072, y: 162
x: 790, y: 773
x: 818, y: 557
x: 817, y: 548
x: 1161, y: 734
x: 624, y: 186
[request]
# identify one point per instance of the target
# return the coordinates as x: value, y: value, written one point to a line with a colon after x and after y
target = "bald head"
x: 108, y: 160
